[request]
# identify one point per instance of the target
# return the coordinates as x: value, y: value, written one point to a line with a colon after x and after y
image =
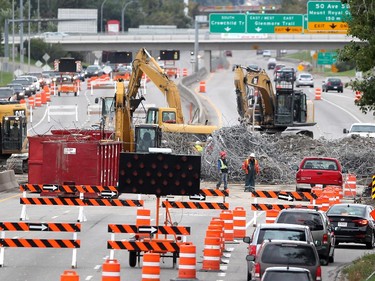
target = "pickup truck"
x: 318, y: 172
x: 361, y: 130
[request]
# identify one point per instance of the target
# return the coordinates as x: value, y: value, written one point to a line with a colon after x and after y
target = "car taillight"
x: 361, y: 222
x: 325, y: 239
x: 318, y: 274
x: 257, y: 270
x: 253, y: 250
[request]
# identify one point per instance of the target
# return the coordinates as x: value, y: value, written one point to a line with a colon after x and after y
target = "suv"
x: 27, y: 85
x: 286, y: 273
x: 286, y: 253
x: 320, y: 227
x: 319, y: 172
x: 332, y: 84
x: 280, y: 231
x: 361, y: 130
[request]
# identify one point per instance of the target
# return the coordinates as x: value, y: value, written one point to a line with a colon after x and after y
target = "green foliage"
x: 345, y: 65
x: 361, y: 268
x: 362, y: 52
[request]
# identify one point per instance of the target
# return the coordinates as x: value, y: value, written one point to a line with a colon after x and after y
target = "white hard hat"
x: 252, y: 155
x: 197, y: 142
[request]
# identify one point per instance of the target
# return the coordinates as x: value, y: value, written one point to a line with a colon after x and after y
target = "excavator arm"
x: 144, y: 63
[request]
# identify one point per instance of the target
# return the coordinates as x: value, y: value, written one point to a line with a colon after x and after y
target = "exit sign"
x: 274, y: 23
x: 329, y: 15
x: 227, y: 23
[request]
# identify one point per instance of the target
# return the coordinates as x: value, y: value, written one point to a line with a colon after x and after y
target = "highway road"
x: 333, y: 113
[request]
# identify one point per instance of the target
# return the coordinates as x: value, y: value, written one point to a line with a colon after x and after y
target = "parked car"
x: 271, y: 63
x: 353, y: 223
x: 93, y: 70
x: 280, y: 231
x: 18, y: 90
x: 28, y: 86
x: 286, y: 253
x: 361, y: 130
x: 320, y: 227
x: 333, y: 84
x: 305, y: 79
x: 318, y: 171
x: 7, y: 94
x: 267, y: 53
x: 286, y: 273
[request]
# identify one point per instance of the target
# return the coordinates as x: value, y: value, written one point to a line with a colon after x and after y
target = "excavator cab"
x: 13, y: 134
x: 291, y: 108
x: 147, y: 136
x: 158, y: 115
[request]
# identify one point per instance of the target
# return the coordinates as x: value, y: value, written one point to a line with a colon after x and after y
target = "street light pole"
x: 123, y: 14
x: 101, y: 16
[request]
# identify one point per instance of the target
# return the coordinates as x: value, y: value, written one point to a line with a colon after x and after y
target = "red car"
x: 320, y: 172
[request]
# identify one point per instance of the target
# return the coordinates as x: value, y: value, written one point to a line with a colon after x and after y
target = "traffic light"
x: 159, y: 174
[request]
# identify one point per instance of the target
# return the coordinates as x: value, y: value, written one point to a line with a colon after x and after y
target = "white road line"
x: 40, y: 121
x: 89, y: 277
x: 343, y: 109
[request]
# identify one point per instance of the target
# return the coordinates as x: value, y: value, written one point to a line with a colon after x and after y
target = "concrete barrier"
x: 8, y: 180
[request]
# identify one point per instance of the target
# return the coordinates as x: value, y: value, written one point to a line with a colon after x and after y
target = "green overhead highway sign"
x: 330, y: 15
x: 326, y: 58
x: 274, y: 23
x: 227, y: 23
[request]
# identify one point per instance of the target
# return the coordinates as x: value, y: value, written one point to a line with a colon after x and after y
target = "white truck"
x: 361, y: 130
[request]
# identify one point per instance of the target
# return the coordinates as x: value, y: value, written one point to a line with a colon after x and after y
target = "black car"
x: 28, y: 86
x: 333, y: 84
x: 7, y: 94
x: 18, y: 90
x: 353, y: 223
x: 93, y: 70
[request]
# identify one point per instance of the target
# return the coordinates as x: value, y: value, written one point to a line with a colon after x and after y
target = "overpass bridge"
x: 207, y: 41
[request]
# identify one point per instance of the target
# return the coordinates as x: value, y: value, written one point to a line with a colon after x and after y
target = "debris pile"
x: 277, y: 154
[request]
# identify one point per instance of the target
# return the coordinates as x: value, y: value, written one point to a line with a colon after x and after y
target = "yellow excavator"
x: 158, y: 119
x: 259, y: 106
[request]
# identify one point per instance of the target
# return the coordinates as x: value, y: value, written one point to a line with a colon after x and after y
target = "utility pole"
x: 21, y: 34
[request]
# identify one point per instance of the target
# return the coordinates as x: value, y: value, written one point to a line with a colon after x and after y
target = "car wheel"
x: 249, y: 276
x: 331, y: 259
x: 58, y: 93
x: 324, y: 261
x: 370, y: 245
x: 336, y: 242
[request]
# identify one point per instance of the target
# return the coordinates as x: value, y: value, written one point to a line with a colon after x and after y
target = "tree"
x: 362, y: 26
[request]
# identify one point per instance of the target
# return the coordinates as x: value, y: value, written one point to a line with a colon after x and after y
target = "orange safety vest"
x: 245, y: 166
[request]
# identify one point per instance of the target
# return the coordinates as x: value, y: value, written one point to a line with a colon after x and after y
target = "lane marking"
x: 11, y: 197
x: 343, y: 109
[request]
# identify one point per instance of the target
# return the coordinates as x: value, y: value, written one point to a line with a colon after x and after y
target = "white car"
x: 266, y: 53
x: 361, y: 130
x: 305, y: 79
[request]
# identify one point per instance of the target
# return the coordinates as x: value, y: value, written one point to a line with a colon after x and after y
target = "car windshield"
x: 286, y: 276
x: 312, y: 220
x: 281, y: 234
x: 288, y: 254
x: 16, y: 87
x: 305, y: 76
x: 23, y: 82
x: 363, y: 128
x: 93, y: 68
x: 6, y: 93
x: 318, y: 164
x: 334, y: 80
x: 347, y: 210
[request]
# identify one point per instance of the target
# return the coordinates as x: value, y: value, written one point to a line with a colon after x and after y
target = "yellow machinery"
x: 258, y: 104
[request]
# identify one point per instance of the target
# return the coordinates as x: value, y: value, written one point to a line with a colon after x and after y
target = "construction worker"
x: 222, y: 165
x: 251, y: 168
x: 198, y: 147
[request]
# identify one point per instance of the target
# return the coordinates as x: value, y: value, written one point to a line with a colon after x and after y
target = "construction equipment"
x: 259, y: 106
x: 13, y: 116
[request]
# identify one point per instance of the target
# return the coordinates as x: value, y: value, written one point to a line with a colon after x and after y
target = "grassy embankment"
x: 361, y: 269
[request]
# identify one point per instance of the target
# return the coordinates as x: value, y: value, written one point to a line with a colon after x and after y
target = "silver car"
x: 305, y: 79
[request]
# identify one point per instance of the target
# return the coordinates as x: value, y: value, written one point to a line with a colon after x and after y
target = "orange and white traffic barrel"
x: 239, y: 222
x: 184, y: 72
x: 202, y: 87
x: 214, y: 231
x: 31, y: 101
x: 211, y: 254
x: 151, y: 267
x: 187, y: 262
x: 227, y: 217
x: 350, y: 185
x: 111, y: 270
x: 43, y: 97
x: 69, y: 275
x: 48, y: 96
x: 318, y: 94
x: 271, y: 215
x: 38, y: 100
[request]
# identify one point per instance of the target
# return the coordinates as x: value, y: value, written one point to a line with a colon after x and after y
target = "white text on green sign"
x: 227, y: 23
x: 266, y: 23
x: 331, y: 11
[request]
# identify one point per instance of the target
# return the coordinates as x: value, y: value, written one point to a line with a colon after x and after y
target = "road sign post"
x: 274, y: 23
x: 327, y: 16
x: 227, y: 23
